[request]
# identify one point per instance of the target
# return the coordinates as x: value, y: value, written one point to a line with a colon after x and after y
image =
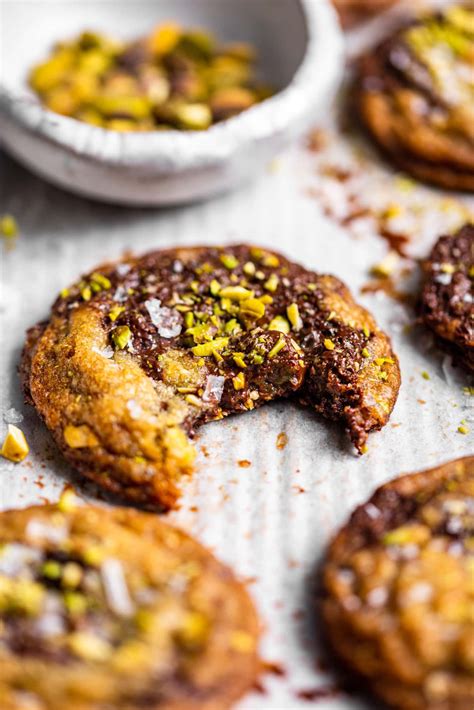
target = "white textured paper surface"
x: 272, y: 520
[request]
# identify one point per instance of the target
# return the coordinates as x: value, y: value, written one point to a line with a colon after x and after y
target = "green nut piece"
x: 121, y: 336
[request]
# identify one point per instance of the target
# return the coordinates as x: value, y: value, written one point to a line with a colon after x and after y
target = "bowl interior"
x: 31, y: 27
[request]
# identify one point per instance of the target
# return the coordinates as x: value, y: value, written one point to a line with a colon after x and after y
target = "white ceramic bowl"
x: 301, y: 52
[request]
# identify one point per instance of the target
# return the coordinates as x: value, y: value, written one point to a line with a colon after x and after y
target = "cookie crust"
x: 447, y: 298
x: 114, y: 608
x: 138, y: 354
x: 398, y: 594
x: 414, y: 96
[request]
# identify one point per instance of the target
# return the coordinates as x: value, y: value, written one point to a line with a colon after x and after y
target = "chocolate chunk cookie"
x: 354, y: 11
x: 415, y: 95
x: 115, y: 609
x: 399, y: 596
x: 447, y: 299
x: 138, y: 354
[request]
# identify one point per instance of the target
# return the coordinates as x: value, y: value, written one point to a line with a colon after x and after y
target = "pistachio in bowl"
x: 173, y: 78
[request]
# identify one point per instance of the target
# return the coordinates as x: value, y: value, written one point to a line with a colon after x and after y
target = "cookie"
x: 415, y: 96
x: 115, y: 609
x: 446, y: 304
x: 138, y: 354
x: 354, y: 11
x: 398, y: 590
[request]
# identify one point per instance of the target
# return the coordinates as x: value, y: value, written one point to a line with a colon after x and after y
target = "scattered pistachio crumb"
x: 425, y: 375
x: 67, y: 501
x: 8, y: 226
x: 387, y: 266
x: 15, y: 447
x: 328, y: 344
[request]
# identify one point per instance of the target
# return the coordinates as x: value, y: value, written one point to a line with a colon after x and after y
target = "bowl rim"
x: 178, y: 150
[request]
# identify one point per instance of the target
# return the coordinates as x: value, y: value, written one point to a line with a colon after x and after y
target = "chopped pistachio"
x: 93, y: 556
x: 447, y: 268
x: 407, y: 534
x: 236, y: 293
x: 79, y: 437
x: 256, y: 253
x: 238, y: 358
x: 271, y: 260
x: 207, y: 349
x: 229, y: 261
x: 15, y: 447
x: 194, y: 630
x: 249, y: 268
x: 279, y: 323
x: 252, y: 308
x: 86, y: 293
x: 366, y: 331
x: 271, y: 284
x: 232, y: 325
x: 21, y: 596
x: 121, y: 336
x: 8, y: 226
x: 329, y: 344
x: 51, y: 569
x: 383, y: 360
x: 189, y: 319
x: 279, y: 345
x: 294, y: 316
x: 71, y: 575
x: 115, y: 311
x: 425, y: 375
x: 192, y: 399
x: 365, y: 352
x: 64, y: 293
x: 463, y: 429
x: 99, y: 282
x: 239, y: 381
x: 214, y: 287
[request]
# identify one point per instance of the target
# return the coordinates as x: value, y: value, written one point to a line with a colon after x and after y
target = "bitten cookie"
x: 415, y: 95
x: 398, y: 590
x: 138, y: 354
x: 115, y: 609
x: 447, y: 298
